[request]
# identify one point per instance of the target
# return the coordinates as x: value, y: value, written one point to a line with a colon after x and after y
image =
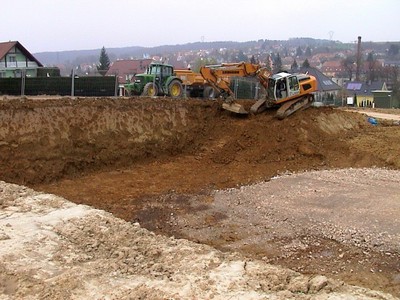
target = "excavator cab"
x: 282, y: 86
x: 292, y: 92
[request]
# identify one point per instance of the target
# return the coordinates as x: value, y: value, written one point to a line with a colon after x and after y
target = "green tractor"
x: 159, y: 80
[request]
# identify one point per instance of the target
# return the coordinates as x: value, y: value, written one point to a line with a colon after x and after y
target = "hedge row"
x: 83, y: 86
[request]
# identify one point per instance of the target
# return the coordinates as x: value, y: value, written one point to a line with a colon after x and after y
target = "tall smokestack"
x: 358, y: 59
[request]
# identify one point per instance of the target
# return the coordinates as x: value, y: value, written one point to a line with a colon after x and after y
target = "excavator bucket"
x: 234, y: 107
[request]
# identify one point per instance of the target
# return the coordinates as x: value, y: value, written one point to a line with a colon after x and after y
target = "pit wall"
x: 43, y: 140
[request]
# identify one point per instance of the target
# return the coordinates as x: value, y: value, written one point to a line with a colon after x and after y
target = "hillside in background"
x: 85, y: 61
x: 76, y: 57
x: 92, y: 56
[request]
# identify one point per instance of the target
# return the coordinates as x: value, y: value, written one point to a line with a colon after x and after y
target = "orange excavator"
x: 290, y: 92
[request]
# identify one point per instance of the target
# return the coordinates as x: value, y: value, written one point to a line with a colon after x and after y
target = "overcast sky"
x: 58, y: 25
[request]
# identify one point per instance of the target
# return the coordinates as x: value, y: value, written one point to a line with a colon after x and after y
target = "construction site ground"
x: 318, y: 192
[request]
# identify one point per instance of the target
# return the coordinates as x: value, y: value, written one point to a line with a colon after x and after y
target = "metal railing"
x: 247, y: 88
x: 18, y: 64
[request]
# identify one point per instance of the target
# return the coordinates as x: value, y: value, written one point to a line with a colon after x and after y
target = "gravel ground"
x: 53, y: 249
x: 343, y: 222
x: 337, y: 205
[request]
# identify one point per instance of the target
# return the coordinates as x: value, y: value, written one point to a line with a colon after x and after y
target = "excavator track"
x: 292, y: 106
x: 259, y: 106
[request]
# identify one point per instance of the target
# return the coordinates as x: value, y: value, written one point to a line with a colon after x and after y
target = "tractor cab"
x: 283, y: 85
x: 160, y: 71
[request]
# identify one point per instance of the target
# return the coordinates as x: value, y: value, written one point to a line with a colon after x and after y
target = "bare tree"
x: 371, y: 66
x: 294, y: 67
x: 277, y: 64
x: 349, y: 65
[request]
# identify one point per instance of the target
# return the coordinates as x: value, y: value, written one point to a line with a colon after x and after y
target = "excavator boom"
x: 219, y: 77
x: 215, y: 80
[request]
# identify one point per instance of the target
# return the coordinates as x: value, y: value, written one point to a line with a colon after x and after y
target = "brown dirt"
x: 180, y: 149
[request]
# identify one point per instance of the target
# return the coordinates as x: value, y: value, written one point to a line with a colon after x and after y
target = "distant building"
x: 126, y: 69
x: 384, y: 99
x: 391, y: 63
x: 15, y: 61
x: 333, y: 68
x: 362, y: 93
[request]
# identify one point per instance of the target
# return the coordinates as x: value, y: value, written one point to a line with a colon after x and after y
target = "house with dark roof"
x: 328, y: 91
x: 126, y: 69
x: 362, y: 93
x: 16, y: 60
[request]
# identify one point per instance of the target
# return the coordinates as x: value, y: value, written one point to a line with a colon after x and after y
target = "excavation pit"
x: 159, y: 162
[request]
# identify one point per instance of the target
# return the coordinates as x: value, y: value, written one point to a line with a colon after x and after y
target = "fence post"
x: 257, y: 91
x: 73, y: 83
x: 23, y: 80
x: 116, y: 89
x: 235, y: 87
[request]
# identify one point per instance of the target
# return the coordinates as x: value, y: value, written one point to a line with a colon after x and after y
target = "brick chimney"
x: 358, y: 59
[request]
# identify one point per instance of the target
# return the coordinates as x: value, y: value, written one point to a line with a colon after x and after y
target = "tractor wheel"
x: 150, y: 90
x: 175, y: 89
x: 210, y: 93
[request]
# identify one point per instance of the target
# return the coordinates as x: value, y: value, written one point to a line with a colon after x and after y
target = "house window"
x: 12, y: 58
x: 17, y: 73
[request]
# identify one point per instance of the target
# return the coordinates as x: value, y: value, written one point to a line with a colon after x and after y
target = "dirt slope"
x: 51, y: 139
x: 225, y: 151
x: 145, y: 161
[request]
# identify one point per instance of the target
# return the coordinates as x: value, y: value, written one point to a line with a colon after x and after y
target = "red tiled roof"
x: 128, y: 67
x: 332, y: 64
x: 7, y: 46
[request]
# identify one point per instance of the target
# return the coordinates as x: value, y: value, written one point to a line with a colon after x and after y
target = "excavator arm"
x: 218, y: 76
x: 217, y: 82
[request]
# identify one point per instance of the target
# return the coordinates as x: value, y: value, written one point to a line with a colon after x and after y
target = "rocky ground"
x: 317, y: 193
x: 53, y: 249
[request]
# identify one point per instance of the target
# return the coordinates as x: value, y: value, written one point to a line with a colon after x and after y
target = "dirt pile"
x: 53, y: 249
